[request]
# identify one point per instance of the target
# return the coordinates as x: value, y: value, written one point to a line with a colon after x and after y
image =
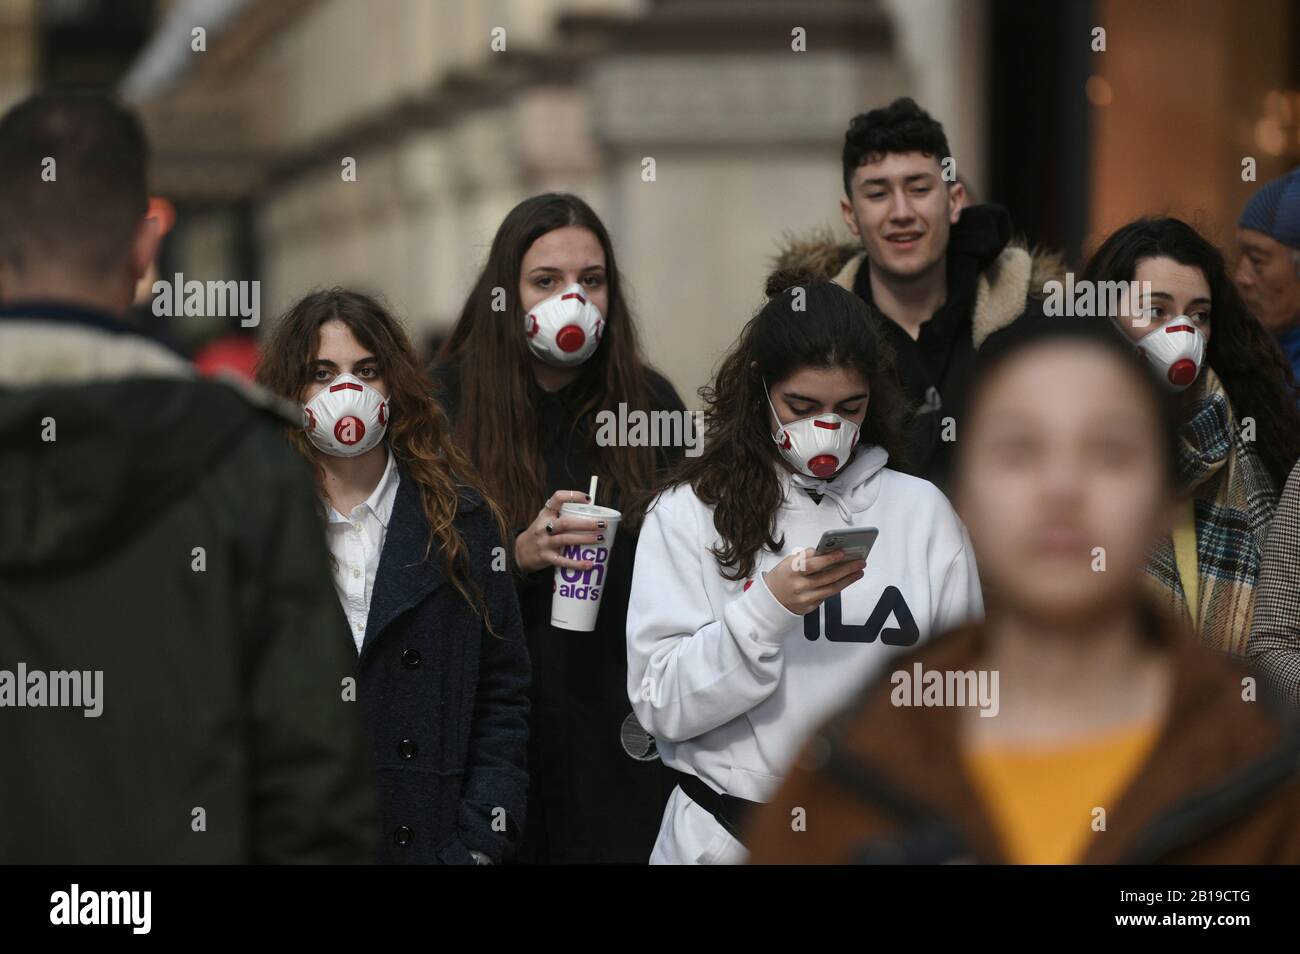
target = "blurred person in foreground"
x: 173, y: 664
x: 1111, y: 735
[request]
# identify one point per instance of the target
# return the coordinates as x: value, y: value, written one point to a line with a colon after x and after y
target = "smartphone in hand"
x: 856, y: 542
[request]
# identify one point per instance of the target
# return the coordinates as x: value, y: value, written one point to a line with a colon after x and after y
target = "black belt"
x: 730, y: 811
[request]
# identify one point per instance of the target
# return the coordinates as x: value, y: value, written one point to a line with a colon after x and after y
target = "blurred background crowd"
x: 455, y: 111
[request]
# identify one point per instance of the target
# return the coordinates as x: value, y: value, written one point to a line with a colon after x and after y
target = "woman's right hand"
x: 802, y: 581
x: 536, y: 549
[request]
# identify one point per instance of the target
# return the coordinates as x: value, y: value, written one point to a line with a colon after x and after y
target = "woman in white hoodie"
x: 739, y: 642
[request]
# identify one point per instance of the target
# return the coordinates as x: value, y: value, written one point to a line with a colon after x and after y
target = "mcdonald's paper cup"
x: 575, y: 598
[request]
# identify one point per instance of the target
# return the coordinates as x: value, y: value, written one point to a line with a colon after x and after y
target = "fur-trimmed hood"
x: 1016, y: 273
x: 126, y: 429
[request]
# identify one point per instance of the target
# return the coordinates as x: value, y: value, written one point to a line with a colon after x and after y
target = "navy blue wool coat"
x: 445, y: 701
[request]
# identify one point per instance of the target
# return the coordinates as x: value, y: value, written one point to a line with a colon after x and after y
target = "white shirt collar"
x: 381, y: 499
x: 385, y: 493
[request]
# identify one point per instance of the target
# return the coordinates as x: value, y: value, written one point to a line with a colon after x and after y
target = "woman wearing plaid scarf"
x: 1240, y: 430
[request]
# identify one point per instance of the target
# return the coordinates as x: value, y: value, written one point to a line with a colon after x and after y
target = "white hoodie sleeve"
x: 960, y: 600
x: 688, y: 671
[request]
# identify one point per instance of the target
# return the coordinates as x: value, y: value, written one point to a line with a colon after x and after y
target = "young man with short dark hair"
x: 944, y: 276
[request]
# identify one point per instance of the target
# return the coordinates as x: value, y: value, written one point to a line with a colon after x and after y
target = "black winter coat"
x: 446, y: 701
x: 590, y: 802
x: 163, y: 534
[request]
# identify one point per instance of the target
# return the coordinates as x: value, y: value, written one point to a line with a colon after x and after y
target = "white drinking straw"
x: 591, y: 492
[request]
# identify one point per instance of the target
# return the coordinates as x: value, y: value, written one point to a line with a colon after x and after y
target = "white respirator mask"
x: 346, y: 418
x: 1176, y: 350
x: 565, y: 329
x: 815, y: 446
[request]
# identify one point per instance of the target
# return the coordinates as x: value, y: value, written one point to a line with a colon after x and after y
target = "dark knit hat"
x: 1275, y: 210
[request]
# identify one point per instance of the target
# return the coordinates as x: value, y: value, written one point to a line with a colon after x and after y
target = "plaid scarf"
x: 1233, y: 498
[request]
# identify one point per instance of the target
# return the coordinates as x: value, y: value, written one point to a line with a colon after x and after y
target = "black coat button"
x: 403, y: 836
x: 411, y: 658
x: 407, y: 749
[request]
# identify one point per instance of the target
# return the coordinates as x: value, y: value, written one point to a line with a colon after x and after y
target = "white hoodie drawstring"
x: 823, y: 487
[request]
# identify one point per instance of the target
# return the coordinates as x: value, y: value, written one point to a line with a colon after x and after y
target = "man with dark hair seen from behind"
x: 174, y: 668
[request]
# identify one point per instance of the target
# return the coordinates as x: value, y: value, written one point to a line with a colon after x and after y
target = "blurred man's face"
x: 1062, y: 482
x: 902, y: 209
x: 1268, y: 280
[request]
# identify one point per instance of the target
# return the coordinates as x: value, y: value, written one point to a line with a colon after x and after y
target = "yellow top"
x: 1043, y: 801
x: 1185, y: 556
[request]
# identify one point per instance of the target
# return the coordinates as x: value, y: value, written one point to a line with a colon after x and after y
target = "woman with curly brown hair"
x: 739, y: 641
x: 421, y: 574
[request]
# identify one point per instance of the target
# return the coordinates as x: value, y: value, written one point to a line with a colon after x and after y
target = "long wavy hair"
x: 737, y: 472
x: 418, y: 433
x: 501, y: 435
x: 1256, y: 376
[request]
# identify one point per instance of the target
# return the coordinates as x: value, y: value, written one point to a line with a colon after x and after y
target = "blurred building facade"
x: 1187, y: 91
x: 699, y: 131
x: 18, y: 36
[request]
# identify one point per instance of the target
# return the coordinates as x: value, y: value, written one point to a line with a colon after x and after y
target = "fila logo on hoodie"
x: 891, y: 602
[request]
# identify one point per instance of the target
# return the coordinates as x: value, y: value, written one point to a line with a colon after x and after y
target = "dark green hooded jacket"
x: 157, y: 529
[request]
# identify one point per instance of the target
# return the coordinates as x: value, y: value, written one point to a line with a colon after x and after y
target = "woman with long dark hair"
x: 442, y: 665
x: 740, y: 638
x: 1240, y: 430
x: 545, y: 356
